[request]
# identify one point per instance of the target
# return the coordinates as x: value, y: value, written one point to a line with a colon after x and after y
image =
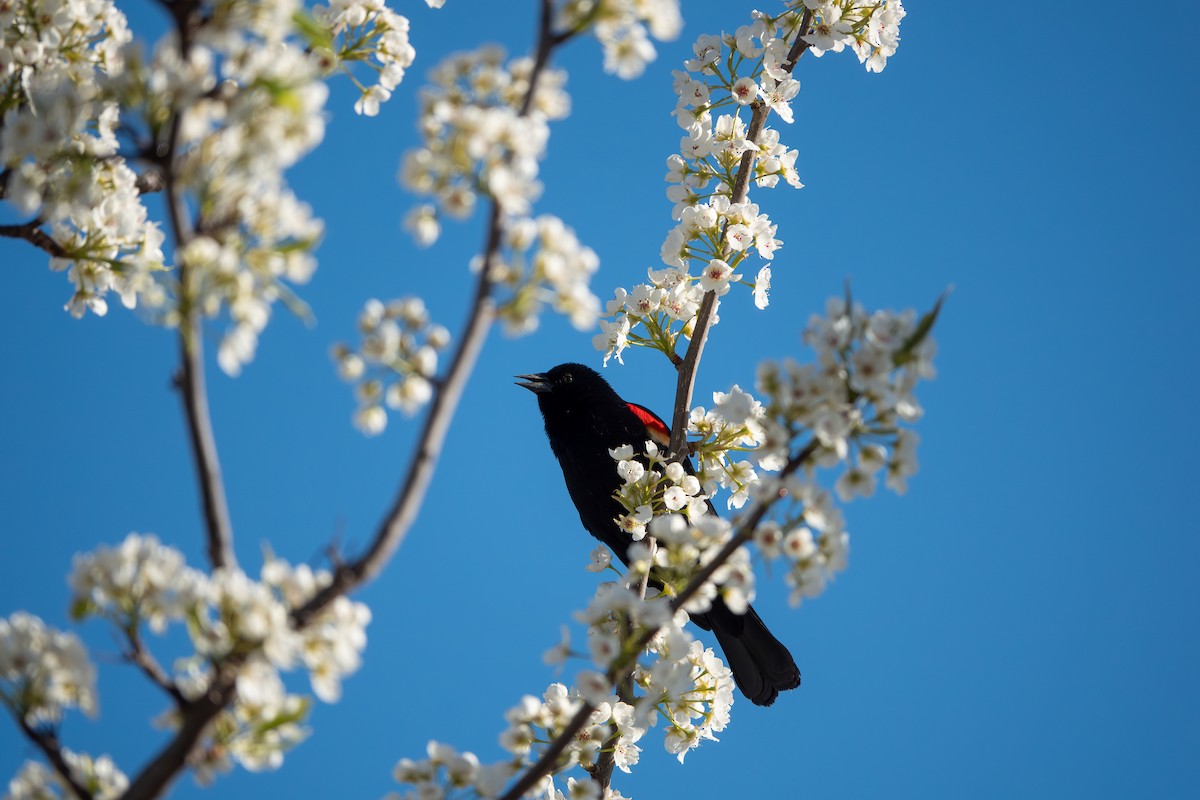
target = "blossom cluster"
x: 715, y: 234
x: 250, y: 102
x: 871, y: 29
x: 856, y: 395
x: 82, y: 106
x: 262, y: 724
x: 446, y: 770
x: 36, y: 781
x: 622, y: 26
x: 716, y: 231
x: 850, y: 405
x: 59, y: 153
x: 673, y: 504
x: 681, y: 682
x: 678, y: 682
x: 812, y: 539
x: 43, y: 671
x: 542, y: 262
x: 228, y: 615
x: 369, y: 32
x: 479, y: 137
x: 396, y: 363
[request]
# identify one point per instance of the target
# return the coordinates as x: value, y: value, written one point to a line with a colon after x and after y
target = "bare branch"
x: 32, y: 232
x: 190, y: 382
x: 686, y: 378
x: 47, y: 742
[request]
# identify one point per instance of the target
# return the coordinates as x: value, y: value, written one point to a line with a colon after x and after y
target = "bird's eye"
x: 566, y: 378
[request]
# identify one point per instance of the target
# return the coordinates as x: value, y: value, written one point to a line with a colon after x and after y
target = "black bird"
x: 585, y: 419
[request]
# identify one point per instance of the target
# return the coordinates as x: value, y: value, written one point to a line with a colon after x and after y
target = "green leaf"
x: 316, y: 34
x: 82, y: 608
x: 905, y: 353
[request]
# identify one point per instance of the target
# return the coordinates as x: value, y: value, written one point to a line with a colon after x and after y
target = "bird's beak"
x: 538, y: 384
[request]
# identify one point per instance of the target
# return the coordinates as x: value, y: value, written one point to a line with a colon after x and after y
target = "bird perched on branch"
x: 585, y: 419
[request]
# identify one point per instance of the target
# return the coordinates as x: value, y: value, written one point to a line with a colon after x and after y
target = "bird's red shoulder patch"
x: 655, y: 427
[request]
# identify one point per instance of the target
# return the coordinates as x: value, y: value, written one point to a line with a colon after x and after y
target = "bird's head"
x: 563, y: 382
x: 568, y: 387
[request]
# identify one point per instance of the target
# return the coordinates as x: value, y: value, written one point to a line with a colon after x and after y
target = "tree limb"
x: 196, y: 715
x: 47, y: 742
x: 447, y: 393
x: 156, y: 776
x: 190, y: 377
x: 138, y: 655
x: 32, y: 232
x: 190, y: 382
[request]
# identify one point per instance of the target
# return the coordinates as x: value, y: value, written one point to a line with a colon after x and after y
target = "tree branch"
x: 447, y: 393
x: 602, y: 771
x: 143, y: 659
x: 47, y: 742
x: 683, y: 399
x: 190, y: 377
x: 190, y: 382
x: 686, y: 379
x: 744, y: 532
x: 32, y: 232
x: 156, y: 776
x: 196, y: 715
x: 403, y: 512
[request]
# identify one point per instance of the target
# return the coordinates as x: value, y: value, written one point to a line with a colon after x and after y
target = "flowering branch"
x: 403, y: 512
x: 190, y: 377
x: 686, y: 380
x: 197, y: 714
x: 47, y: 742
x: 742, y: 534
x: 448, y: 390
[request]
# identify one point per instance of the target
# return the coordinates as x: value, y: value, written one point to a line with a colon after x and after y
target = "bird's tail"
x: 762, y: 667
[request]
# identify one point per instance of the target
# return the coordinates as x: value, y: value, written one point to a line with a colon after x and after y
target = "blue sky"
x: 1022, y: 623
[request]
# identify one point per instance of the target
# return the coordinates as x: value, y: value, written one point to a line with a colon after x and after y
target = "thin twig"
x: 686, y: 379
x: 190, y: 381
x: 143, y: 659
x: 47, y: 742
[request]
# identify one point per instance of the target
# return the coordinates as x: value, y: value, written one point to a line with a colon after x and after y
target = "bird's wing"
x: 655, y: 427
